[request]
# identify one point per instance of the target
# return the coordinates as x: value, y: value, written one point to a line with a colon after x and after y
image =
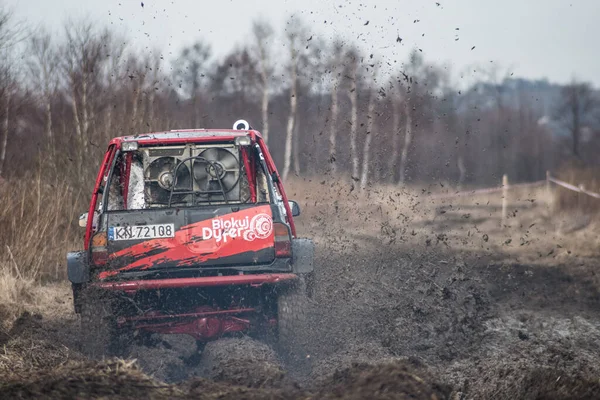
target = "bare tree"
x: 495, y: 78
x: 292, y: 114
x: 353, y: 94
x: 293, y: 35
x: 11, y: 33
x: 43, y: 64
x: 263, y: 34
x: 417, y: 78
x: 369, y: 137
x: 396, y: 132
x: 311, y: 84
x: 192, y: 66
x: 82, y: 55
x: 577, y: 107
x: 9, y: 87
x: 408, y: 114
x: 336, y: 69
x: 114, y: 74
x: 154, y: 87
x: 142, y: 74
x: 237, y: 79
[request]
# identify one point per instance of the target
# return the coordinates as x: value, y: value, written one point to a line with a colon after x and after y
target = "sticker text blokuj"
x: 224, y: 229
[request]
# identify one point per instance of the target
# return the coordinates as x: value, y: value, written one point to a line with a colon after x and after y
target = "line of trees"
x: 325, y: 107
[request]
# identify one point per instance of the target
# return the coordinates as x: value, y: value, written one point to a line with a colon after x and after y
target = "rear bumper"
x: 204, y: 281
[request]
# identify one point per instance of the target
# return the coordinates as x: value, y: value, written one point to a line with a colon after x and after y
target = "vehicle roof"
x: 184, y: 135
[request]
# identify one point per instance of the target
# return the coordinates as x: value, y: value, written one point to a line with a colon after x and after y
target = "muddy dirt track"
x: 413, y: 300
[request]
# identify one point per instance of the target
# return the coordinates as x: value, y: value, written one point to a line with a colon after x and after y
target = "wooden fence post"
x: 550, y: 200
x: 504, y: 199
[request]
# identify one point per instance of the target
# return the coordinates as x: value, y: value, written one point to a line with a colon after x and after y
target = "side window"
x: 262, y: 184
x: 244, y: 183
x: 136, y: 198
x: 115, y: 191
x: 126, y: 190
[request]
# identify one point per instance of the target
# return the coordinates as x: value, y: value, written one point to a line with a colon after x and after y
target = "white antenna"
x: 241, y: 125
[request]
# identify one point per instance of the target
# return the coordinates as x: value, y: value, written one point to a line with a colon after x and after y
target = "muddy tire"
x: 291, y: 317
x: 309, y: 283
x: 77, y: 289
x: 97, y: 324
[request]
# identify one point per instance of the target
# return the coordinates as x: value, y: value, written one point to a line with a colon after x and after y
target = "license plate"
x: 140, y: 232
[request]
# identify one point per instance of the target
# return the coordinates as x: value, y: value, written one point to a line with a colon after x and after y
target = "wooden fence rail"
x: 506, y: 187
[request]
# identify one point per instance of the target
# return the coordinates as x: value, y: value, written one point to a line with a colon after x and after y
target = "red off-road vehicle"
x: 189, y: 232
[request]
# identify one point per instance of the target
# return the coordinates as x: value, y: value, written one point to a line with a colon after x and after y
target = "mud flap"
x: 78, y: 268
x: 303, y: 252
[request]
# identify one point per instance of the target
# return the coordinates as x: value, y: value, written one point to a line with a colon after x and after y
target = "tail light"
x: 99, y: 249
x: 283, y: 241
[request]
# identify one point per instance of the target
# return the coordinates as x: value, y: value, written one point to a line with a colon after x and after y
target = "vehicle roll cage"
x: 213, y: 165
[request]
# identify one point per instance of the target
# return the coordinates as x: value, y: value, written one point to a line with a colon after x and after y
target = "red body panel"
x: 248, y: 230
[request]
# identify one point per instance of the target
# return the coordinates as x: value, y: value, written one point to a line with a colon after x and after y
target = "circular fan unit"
x: 214, y: 165
x: 160, y: 177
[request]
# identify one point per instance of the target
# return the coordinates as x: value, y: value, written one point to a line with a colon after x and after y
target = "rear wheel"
x: 291, y: 320
x: 99, y: 335
x: 77, y: 288
x: 309, y: 283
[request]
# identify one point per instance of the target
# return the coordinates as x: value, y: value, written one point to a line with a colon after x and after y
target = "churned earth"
x: 418, y: 296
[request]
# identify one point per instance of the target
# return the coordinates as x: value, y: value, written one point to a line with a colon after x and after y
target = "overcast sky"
x: 554, y: 39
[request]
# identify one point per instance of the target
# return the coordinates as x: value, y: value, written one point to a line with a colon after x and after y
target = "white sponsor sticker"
x: 223, y: 229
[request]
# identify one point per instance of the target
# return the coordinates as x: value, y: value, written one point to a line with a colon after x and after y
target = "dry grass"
x: 337, y: 216
x: 15, y: 292
x: 109, y: 379
x: 569, y: 200
x: 37, y: 227
x: 405, y: 205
